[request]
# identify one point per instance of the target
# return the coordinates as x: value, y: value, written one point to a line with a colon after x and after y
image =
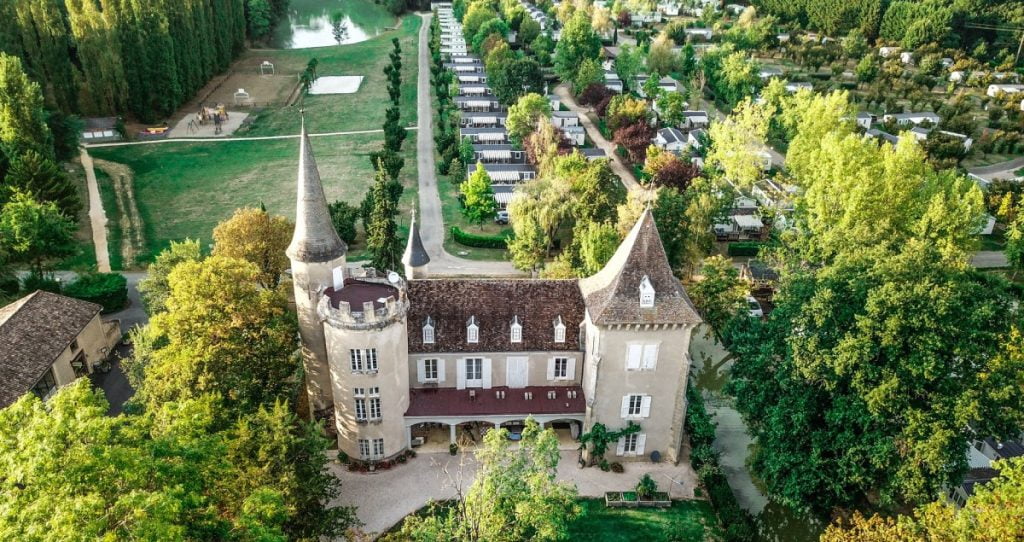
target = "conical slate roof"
x: 415, y: 255
x: 612, y: 295
x: 315, y: 239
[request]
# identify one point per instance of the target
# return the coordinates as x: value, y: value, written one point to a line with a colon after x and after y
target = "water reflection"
x: 711, y: 370
x: 320, y: 23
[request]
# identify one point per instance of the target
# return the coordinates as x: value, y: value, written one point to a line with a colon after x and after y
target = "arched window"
x: 472, y: 330
x: 428, y: 331
x: 517, y: 330
x: 559, y: 330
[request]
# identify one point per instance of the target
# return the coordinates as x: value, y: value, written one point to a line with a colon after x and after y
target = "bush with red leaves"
x: 635, y: 138
x: 676, y: 174
x: 595, y: 94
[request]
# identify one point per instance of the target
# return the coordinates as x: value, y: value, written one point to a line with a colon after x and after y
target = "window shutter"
x: 641, y: 441
x: 487, y: 373
x: 633, y: 355
x: 650, y: 356
x: 460, y: 374
x: 421, y: 371
x: 645, y: 406
x: 624, y: 411
x: 551, y: 368
x: 440, y: 370
x: 621, y: 448
x: 570, y: 371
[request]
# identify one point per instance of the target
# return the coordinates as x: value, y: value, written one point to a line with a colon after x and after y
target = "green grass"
x: 184, y: 189
x: 980, y: 159
x: 109, y: 199
x: 996, y: 241
x: 362, y: 110
x: 451, y: 210
x: 84, y: 258
x: 684, y: 521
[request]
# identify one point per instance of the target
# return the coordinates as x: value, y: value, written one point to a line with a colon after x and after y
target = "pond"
x: 321, y: 23
x: 776, y: 522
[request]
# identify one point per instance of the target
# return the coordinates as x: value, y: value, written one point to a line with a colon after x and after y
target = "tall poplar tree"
x: 381, y: 231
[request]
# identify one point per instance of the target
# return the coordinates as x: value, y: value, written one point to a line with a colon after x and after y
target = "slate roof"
x: 450, y: 303
x: 415, y: 255
x: 34, y: 330
x: 672, y: 135
x: 613, y: 295
x: 315, y: 239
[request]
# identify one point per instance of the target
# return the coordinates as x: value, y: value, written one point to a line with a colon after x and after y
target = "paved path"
x: 432, y: 230
x: 1002, y: 170
x: 97, y: 216
x: 989, y: 259
x: 385, y: 497
x: 620, y: 169
x: 230, y: 139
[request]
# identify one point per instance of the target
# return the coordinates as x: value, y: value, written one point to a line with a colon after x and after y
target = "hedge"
x: 745, y: 248
x: 109, y: 290
x: 739, y: 525
x: 479, y: 241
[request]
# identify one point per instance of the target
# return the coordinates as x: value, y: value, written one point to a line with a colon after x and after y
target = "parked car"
x: 754, y: 307
x: 501, y: 217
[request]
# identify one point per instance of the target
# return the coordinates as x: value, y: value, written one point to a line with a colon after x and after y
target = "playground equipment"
x: 216, y: 115
x: 242, y: 97
x: 267, y: 68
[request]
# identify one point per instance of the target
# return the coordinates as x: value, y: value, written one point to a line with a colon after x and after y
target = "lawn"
x: 184, y: 189
x: 451, y: 210
x: 362, y: 110
x: 684, y: 521
x: 85, y: 257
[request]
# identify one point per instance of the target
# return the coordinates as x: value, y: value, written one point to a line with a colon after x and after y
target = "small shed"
x: 100, y: 130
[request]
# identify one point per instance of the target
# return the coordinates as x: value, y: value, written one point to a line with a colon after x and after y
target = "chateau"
x: 384, y: 355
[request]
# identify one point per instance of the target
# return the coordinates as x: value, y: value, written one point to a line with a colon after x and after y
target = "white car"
x: 754, y: 308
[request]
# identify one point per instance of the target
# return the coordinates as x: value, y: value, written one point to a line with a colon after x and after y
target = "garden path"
x: 97, y: 216
x: 620, y: 169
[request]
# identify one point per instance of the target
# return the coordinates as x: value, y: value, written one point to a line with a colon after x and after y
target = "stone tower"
x: 317, y: 256
x: 415, y: 257
x: 637, y: 325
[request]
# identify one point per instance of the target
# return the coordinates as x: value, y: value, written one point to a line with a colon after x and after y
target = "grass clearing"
x: 184, y: 189
x: 451, y: 211
x: 85, y: 257
x: 684, y: 521
x: 363, y: 110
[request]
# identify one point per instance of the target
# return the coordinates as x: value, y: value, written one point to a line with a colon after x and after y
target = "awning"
x: 475, y: 90
x: 496, y: 155
x: 503, y: 198
x: 494, y: 137
x: 748, y: 221
x: 504, y: 176
x: 478, y: 103
x: 483, y: 120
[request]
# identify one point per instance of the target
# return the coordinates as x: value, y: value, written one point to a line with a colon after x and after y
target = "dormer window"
x: 517, y: 330
x: 646, y: 293
x: 472, y: 330
x: 559, y: 330
x: 428, y: 331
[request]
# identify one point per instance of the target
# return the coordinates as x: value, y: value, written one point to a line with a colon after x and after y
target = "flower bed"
x: 629, y: 499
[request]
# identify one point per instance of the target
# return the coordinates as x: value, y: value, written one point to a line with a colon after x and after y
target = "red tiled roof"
x: 455, y: 402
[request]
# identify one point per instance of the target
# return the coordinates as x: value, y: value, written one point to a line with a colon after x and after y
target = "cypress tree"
x: 381, y: 231
x: 41, y: 177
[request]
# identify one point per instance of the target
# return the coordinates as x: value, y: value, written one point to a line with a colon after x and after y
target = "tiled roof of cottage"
x: 613, y: 295
x: 450, y: 303
x: 34, y: 330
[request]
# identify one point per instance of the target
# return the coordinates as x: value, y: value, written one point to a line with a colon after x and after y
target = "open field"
x: 184, y: 189
x: 363, y: 110
x: 685, y: 521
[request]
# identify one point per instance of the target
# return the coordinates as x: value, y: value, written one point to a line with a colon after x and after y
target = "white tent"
x: 748, y: 222
x: 504, y: 176
x: 496, y: 155
x: 491, y: 137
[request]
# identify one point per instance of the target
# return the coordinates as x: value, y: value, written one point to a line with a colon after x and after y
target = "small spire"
x: 315, y: 239
x: 415, y: 255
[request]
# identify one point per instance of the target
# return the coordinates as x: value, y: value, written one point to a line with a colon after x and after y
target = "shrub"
x: 9, y: 285
x: 401, y: 458
x: 603, y: 465
x: 744, y: 248
x: 617, y: 467
x: 453, y: 448
x: 479, y: 241
x: 109, y: 290
x: 35, y: 282
x: 343, y: 458
x: 646, y: 487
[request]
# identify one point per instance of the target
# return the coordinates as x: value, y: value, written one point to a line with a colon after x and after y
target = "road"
x: 620, y: 169
x: 432, y: 231
x: 97, y: 216
x: 989, y: 259
x: 1003, y: 170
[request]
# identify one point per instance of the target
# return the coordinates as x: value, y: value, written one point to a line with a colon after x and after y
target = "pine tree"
x: 381, y: 231
x: 41, y: 178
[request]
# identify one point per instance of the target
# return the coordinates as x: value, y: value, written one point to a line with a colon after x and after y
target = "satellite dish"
x: 393, y: 277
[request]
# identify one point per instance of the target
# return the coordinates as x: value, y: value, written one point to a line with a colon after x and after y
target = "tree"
x: 344, y: 216
x: 720, y: 294
x: 590, y: 73
x: 511, y: 80
x: 597, y: 244
x: 260, y: 18
x: 1015, y: 241
x: 628, y: 64
x: 257, y: 237
x: 671, y: 106
x: 736, y: 143
x: 514, y: 496
x: 22, y: 119
x: 477, y: 14
x: 381, y: 231
x: 155, y: 289
x: 221, y: 333
x: 489, y: 28
x: 594, y: 94
x: 478, y: 203
x: 601, y: 21
x: 635, y: 138
x: 35, y: 233
x: 665, y: 168
x: 578, y: 43
x: 624, y: 110
x: 662, y: 57
x: 992, y: 513
x: 524, y: 114
x: 41, y: 178
x: 867, y: 69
